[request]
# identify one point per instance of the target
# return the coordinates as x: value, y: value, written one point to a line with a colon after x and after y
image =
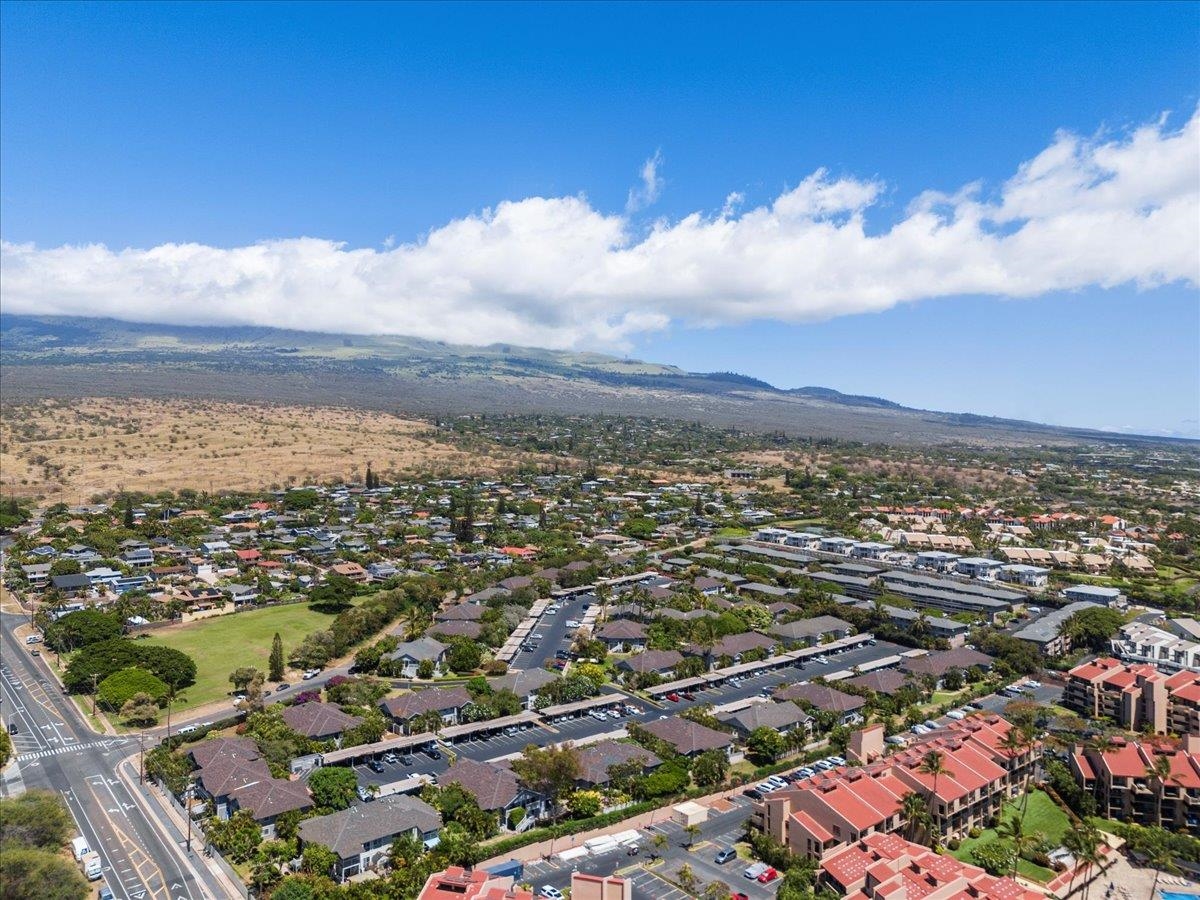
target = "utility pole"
x: 187, y: 814
x: 95, y: 676
x: 141, y: 756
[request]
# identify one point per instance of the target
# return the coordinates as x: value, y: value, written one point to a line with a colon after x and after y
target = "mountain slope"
x: 71, y: 357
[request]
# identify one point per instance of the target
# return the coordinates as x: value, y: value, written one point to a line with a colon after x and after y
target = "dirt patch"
x: 73, y: 450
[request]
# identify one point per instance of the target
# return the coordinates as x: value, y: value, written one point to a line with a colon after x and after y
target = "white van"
x: 79, y: 846
x: 33, y: 639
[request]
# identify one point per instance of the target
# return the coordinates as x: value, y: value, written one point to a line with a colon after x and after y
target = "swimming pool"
x: 1178, y: 895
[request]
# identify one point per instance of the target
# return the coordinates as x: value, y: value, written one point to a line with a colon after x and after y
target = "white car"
x: 571, y: 623
x: 552, y: 893
x: 310, y: 674
x: 956, y: 714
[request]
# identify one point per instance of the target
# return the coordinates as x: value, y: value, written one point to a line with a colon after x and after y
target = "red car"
x: 768, y: 876
x: 739, y: 896
x: 688, y: 695
x: 674, y: 698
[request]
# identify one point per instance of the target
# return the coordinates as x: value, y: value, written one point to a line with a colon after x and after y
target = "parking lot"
x: 551, y: 633
x: 721, y: 831
x: 421, y: 764
x: 498, y: 745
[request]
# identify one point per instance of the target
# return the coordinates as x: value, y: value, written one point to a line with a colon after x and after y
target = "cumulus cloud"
x: 651, y: 187
x: 556, y: 272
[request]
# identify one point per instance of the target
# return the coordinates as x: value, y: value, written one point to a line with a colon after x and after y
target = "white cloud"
x: 648, y: 192
x: 556, y: 272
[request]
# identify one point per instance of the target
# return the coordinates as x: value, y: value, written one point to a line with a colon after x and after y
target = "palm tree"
x: 657, y: 843
x: 1013, y: 829
x: 934, y: 764
x: 1162, y: 859
x: 915, y: 814
x: 692, y: 831
x: 1019, y: 741
x: 1073, y: 841
x: 687, y: 878
x: 1159, y: 770
x: 1089, y: 856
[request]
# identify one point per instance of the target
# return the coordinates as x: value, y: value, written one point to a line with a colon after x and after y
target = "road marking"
x: 70, y: 748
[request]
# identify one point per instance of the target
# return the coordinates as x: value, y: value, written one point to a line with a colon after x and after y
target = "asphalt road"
x: 57, y: 751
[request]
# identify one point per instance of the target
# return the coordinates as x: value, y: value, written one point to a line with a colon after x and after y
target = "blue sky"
x: 223, y: 125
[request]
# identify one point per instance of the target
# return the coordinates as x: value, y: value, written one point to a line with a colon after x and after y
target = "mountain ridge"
x: 47, y: 356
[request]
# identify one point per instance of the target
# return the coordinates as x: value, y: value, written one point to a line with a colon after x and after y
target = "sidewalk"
x: 173, y: 824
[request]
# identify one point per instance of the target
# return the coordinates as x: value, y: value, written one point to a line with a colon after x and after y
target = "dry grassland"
x: 74, y: 450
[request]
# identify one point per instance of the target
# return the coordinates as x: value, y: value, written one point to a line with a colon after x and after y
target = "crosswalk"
x: 72, y: 748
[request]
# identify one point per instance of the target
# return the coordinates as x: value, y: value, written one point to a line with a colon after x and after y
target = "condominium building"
x: 1127, y: 788
x: 1135, y: 696
x: 885, y: 866
x: 847, y: 804
x: 1142, y: 642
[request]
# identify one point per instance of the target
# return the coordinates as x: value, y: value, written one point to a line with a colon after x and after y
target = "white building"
x: 978, y: 567
x: 1029, y: 576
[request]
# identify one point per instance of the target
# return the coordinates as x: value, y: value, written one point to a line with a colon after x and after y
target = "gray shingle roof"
x: 686, y: 736
x: 346, y: 832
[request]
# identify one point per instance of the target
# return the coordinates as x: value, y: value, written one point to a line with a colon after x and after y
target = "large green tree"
x: 81, y: 628
x: 120, y: 687
x: 275, y: 664
x: 333, y: 787
x: 549, y: 771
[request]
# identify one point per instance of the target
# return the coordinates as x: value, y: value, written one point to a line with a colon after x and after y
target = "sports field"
x: 221, y: 644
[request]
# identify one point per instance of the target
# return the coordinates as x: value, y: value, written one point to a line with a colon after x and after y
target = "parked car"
x: 375, y: 766
x: 552, y: 893
x: 752, y: 872
x: 725, y: 856
x: 753, y: 793
x: 282, y: 686
x: 688, y: 695
x: 837, y: 760
x: 956, y: 714
x: 768, y: 876
x: 673, y: 697
x: 739, y: 896
x: 363, y: 794
x: 434, y: 753
x: 406, y: 759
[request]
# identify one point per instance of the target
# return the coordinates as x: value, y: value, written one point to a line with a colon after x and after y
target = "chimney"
x: 866, y: 744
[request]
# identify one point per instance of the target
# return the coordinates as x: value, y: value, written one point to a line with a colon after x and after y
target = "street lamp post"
x: 95, y: 676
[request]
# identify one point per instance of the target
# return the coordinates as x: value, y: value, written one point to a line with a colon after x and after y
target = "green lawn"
x: 1042, y: 815
x: 221, y: 644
